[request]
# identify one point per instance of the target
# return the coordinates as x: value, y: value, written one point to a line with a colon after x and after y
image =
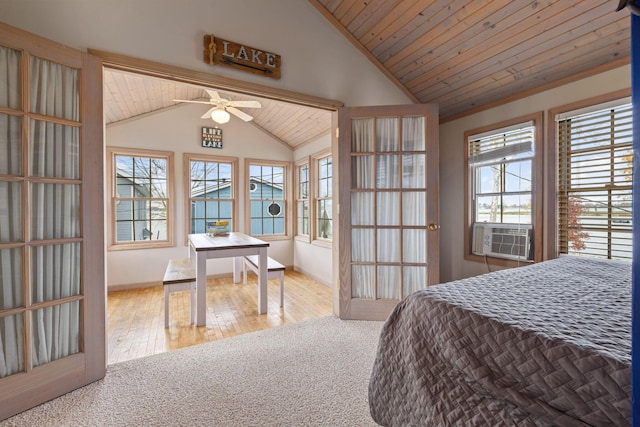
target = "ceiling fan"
x: 219, y: 113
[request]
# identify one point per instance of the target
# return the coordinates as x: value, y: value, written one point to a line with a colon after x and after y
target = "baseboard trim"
x: 322, y: 281
x: 141, y: 285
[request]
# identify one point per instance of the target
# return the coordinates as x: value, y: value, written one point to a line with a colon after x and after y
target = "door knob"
x: 433, y: 227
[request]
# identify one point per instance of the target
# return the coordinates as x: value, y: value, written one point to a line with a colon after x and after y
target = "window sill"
x: 497, y: 261
x: 323, y: 243
x: 303, y: 238
x: 268, y: 238
x: 136, y: 246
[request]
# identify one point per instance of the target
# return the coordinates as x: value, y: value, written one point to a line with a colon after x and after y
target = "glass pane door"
x: 51, y: 313
x: 390, y: 156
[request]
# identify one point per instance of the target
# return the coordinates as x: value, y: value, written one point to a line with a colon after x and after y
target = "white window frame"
x: 300, y: 235
x: 535, y: 120
x: 286, y: 194
x: 233, y: 162
x: 114, y: 198
x: 315, y: 184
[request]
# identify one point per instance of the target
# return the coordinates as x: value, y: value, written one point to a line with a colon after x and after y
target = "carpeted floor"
x: 313, y: 373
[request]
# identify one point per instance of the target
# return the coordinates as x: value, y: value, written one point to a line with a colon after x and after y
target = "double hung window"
x: 267, y: 197
x: 504, y: 192
x: 302, y: 199
x: 595, y: 156
x: 501, y: 163
x: 314, y: 198
x: 211, y: 189
x: 324, y: 197
x: 141, y: 195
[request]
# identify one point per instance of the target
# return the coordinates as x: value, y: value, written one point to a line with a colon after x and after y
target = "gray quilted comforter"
x: 543, y: 345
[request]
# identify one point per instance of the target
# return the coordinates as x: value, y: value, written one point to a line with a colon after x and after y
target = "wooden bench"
x: 179, y: 276
x: 275, y: 270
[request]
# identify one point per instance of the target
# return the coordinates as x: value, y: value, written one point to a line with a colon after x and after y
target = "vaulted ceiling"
x: 128, y: 95
x: 468, y: 55
x: 463, y: 55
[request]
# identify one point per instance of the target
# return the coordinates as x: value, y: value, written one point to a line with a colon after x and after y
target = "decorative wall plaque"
x: 218, y: 51
x: 212, y: 137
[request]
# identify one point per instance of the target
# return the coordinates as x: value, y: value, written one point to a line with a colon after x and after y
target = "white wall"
x: 452, y: 263
x: 316, y: 60
x: 313, y: 260
x: 178, y: 130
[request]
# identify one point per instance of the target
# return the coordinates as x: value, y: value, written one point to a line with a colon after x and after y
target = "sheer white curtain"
x: 414, y: 240
x: 11, y: 295
x: 362, y: 209
x: 55, y: 210
x: 388, y: 208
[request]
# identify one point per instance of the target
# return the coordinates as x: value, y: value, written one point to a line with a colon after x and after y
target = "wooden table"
x: 236, y: 245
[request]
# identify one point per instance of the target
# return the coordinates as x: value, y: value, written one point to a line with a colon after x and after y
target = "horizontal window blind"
x: 501, y: 144
x: 594, y: 183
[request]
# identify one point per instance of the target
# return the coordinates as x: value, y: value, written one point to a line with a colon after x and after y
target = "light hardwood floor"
x: 135, y: 318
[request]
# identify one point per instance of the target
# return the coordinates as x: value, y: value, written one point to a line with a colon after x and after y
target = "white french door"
x: 388, y: 206
x: 52, y: 292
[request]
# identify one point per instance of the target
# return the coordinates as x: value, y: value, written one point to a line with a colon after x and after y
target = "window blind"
x: 501, y: 144
x: 594, y: 183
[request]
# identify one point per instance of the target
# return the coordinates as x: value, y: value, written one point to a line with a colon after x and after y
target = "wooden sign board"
x: 218, y: 51
x: 212, y: 137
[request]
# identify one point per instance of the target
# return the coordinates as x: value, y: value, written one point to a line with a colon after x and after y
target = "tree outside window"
x: 594, y: 181
x: 324, y: 199
x: 211, y: 192
x: 302, y: 200
x: 502, y: 164
x: 140, y: 182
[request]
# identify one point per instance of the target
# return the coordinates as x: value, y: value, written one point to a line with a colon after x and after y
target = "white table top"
x: 234, y: 240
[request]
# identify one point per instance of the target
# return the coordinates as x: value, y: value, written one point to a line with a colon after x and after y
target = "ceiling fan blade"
x: 245, y: 104
x: 240, y: 114
x: 191, y: 101
x: 214, y: 95
x: 207, y: 115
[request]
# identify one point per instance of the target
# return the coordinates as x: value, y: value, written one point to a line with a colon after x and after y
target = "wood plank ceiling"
x: 128, y: 95
x: 470, y: 55
x: 463, y: 55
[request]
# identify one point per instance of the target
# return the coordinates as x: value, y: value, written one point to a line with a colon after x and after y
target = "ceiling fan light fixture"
x: 219, y: 115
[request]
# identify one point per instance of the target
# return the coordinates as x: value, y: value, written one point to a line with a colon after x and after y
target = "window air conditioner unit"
x: 510, y: 241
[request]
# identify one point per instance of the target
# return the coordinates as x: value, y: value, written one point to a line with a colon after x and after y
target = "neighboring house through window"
x: 595, y: 158
x: 140, y: 188
x: 212, y: 191
x: 267, y: 197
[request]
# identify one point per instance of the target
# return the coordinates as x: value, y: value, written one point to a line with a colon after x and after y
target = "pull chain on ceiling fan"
x: 221, y: 107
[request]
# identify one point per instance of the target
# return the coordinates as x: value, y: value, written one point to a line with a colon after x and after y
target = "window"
x: 503, y: 164
x: 140, y: 191
x: 266, y: 182
x: 324, y: 198
x: 302, y: 199
x: 594, y: 181
x: 211, y: 189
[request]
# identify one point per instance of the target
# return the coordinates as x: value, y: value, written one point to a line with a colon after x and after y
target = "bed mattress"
x: 541, y: 345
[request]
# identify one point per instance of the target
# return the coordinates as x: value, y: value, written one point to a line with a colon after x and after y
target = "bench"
x: 275, y: 270
x: 179, y: 276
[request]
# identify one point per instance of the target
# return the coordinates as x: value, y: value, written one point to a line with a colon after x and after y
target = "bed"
x: 547, y: 344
